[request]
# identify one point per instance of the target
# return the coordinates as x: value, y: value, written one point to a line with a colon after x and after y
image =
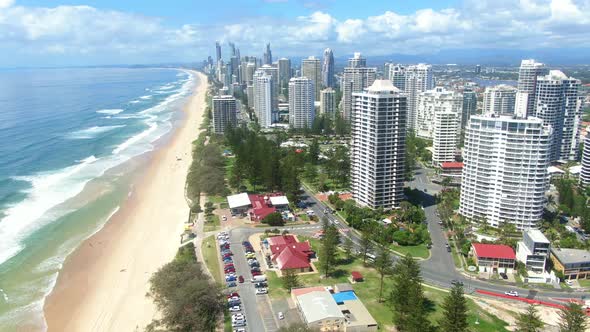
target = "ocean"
x: 71, y: 141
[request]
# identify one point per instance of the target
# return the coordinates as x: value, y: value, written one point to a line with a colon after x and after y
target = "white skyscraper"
x: 356, y: 78
x: 301, y: 104
x: 505, y: 170
x: 274, y: 73
x: 328, y: 102
x: 397, y: 76
x: 378, y: 145
x: 585, y: 174
x: 263, y: 86
x: 557, y: 103
x: 312, y: 69
x: 499, y: 99
x: 224, y: 113
x: 527, y: 82
x: 447, y: 129
x: 436, y: 101
x: 418, y: 79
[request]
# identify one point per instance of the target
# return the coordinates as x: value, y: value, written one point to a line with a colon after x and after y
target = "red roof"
x: 292, y: 259
x: 281, y: 239
x: 356, y: 275
x: 303, y: 247
x: 498, y: 251
x: 261, y: 213
x: 451, y: 164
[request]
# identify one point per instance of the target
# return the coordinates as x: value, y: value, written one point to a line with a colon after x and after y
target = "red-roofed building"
x: 279, y: 240
x: 451, y: 169
x: 493, y: 257
x: 356, y: 276
x: 292, y: 259
x: 288, y: 254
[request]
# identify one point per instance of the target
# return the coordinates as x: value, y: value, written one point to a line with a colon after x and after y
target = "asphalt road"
x: 439, y: 270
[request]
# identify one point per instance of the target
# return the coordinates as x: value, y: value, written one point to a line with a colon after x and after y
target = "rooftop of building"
x: 356, y: 314
x: 318, y: 305
x: 382, y: 86
x: 238, y: 200
x: 451, y: 164
x: 537, y: 236
x: 571, y: 256
x: 497, y: 251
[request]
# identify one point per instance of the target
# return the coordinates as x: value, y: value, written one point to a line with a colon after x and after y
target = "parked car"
x: 257, y: 269
x: 261, y: 291
x: 224, y: 218
x: 230, y: 278
x: 233, y: 303
x: 261, y: 278
x: 281, y: 316
x: 260, y: 285
x: 230, y: 295
x: 245, y: 243
x: 256, y: 273
x: 239, y: 324
x: 448, y: 249
x: 512, y: 293
x: 231, y: 284
x: 240, y: 330
x: 235, y: 308
x: 233, y: 299
x: 241, y: 279
x: 503, y: 275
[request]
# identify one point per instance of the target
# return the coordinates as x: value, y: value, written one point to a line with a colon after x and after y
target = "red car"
x: 256, y: 273
x: 230, y: 295
x: 241, y: 279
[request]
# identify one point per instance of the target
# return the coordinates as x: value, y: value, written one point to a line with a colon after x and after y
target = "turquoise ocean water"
x: 70, y: 140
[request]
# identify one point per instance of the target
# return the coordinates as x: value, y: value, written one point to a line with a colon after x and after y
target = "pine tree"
x: 573, y: 318
x: 407, y: 297
x: 454, y: 311
x: 328, y: 248
x: 384, y: 266
x: 366, y: 244
x: 290, y: 280
x: 347, y: 246
x: 529, y: 321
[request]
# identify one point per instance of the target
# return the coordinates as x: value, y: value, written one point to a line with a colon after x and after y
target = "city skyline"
x: 80, y: 35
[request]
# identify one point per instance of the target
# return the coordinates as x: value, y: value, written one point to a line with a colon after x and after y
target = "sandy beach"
x: 103, y: 284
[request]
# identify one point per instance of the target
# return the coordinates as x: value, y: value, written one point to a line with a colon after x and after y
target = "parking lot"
x: 250, y: 306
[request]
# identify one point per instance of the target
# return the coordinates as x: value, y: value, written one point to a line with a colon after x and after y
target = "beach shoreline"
x: 103, y: 283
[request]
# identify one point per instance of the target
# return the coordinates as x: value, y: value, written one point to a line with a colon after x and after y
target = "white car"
x: 237, y: 317
x: 261, y: 291
x: 281, y: 315
x: 240, y: 330
x: 235, y: 308
x: 238, y: 323
x: 569, y: 282
x: 233, y: 298
x: 512, y: 293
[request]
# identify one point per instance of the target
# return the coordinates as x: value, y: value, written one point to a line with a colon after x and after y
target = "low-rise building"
x: 239, y: 204
x: 451, y: 170
x: 286, y: 253
x: 533, y: 250
x: 493, y: 258
x: 337, y: 309
x: 572, y: 263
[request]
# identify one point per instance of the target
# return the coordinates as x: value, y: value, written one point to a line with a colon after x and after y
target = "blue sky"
x: 57, y: 33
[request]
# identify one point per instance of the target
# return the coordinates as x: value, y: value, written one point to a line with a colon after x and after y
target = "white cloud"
x: 87, y: 31
x: 6, y: 3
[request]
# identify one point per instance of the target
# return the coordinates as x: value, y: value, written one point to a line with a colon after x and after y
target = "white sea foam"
x: 146, y: 97
x: 49, y: 189
x: 134, y: 102
x: 132, y: 116
x: 92, y: 132
x: 111, y: 111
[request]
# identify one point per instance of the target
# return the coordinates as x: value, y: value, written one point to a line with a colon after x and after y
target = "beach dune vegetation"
x: 186, y: 297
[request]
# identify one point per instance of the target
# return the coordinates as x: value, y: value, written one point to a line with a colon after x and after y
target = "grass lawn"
x: 584, y: 283
x: 419, y: 251
x: 368, y: 292
x: 211, y: 257
x: 212, y: 223
x: 216, y: 199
